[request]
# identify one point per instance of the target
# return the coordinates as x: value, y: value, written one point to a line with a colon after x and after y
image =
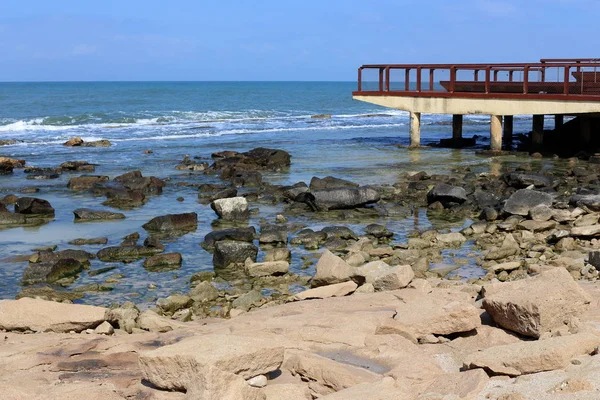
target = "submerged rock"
x: 32, y: 205
x: 245, y: 234
x: 169, y: 260
x: 233, y: 252
x: 340, y: 198
x: 85, y: 182
x: 127, y: 253
x: 447, y: 195
x: 87, y: 214
x: 173, y: 222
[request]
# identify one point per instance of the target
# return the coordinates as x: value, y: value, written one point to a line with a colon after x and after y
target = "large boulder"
x: 135, y: 181
x: 173, y: 222
x: 245, y: 234
x: 85, y: 182
x: 231, y: 209
x: 536, y: 305
x: 590, y: 201
x: 447, y: 194
x: 51, y: 271
x: 340, y: 198
x: 273, y: 234
x: 32, y: 205
x: 523, y: 201
x: 48, y: 316
x: 399, y: 277
x: 257, y: 159
x: 229, y: 252
x: 329, y: 182
x: 528, y: 357
x: 87, y: 214
x: 163, y: 261
x: 331, y: 269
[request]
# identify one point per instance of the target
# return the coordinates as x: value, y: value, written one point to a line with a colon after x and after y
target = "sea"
x: 356, y: 141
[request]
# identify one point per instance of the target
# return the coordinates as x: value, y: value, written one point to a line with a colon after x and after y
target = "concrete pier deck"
x: 556, y: 87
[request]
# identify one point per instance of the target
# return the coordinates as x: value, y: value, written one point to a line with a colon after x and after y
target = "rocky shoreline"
x: 534, y: 232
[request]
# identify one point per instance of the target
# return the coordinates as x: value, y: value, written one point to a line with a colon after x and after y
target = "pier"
x: 557, y: 87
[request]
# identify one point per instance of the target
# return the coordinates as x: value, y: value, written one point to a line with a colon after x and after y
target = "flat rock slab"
x: 534, y: 356
x: 536, y: 305
x: 524, y: 200
x: 177, y: 366
x: 323, y: 292
x: 48, y: 316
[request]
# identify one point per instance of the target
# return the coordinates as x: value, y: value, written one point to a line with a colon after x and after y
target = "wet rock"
x: 341, y: 198
x: 330, y: 182
x: 32, y: 205
x: 341, y: 232
x: 159, y: 261
x: 242, y: 178
x: 331, y: 269
x: 51, y: 271
x: 7, y: 142
x: 48, y: 316
x: 536, y: 305
x: 7, y: 218
x: 134, y: 181
x: 87, y: 214
x: 523, y: 200
x: 233, y: 252
x: 119, y: 197
x: 231, y: 209
x: 174, y: 303
x: 267, y: 268
x: 45, y: 292
x: 204, y: 292
x: 257, y: 159
x: 323, y: 292
x: 378, y: 231
x: 6, y: 168
x: 83, y: 241
x: 172, y: 222
x: 97, y: 143
x: 220, y: 194
x: 447, y: 195
x: 86, y: 182
x: 77, y: 166
x: 486, y: 199
x: 245, y: 234
x: 126, y: 253
x: 273, y: 234
x: 52, y: 256
x: 278, y: 254
x: 76, y: 141
x: 535, y: 356
x: 522, y: 181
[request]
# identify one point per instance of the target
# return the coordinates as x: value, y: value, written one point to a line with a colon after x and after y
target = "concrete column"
x: 586, y: 129
x: 508, y: 128
x: 559, y: 121
x: 537, y: 133
x: 457, y: 126
x: 415, y: 129
x: 496, y: 132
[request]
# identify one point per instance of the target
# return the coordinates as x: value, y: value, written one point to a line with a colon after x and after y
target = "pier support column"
x: 496, y: 132
x: 559, y: 121
x: 457, y: 126
x: 508, y: 129
x: 415, y: 129
x: 537, y: 133
x: 586, y: 129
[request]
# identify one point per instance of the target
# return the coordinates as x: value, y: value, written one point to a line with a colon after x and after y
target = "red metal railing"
x: 566, y: 79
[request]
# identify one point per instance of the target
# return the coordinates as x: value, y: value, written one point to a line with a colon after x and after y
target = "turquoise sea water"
x: 174, y: 119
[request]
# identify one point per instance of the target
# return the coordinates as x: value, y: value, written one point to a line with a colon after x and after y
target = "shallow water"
x: 175, y: 119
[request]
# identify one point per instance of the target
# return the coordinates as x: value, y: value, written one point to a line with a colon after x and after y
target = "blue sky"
x: 279, y: 40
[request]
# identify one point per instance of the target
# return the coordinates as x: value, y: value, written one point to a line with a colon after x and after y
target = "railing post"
x: 525, y: 80
x: 387, y: 79
x: 452, y: 79
x: 476, y: 75
x: 418, y: 79
x: 566, y: 80
x: 381, y: 79
x: 360, y: 79
x: 510, y: 75
x: 488, y: 72
x: 431, y: 79
x: 407, y: 79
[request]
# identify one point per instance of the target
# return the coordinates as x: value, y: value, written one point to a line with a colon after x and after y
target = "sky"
x: 268, y: 40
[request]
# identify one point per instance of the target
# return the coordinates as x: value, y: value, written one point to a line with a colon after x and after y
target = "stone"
x: 85, y: 182
x: 378, y: 231
x: 341, y: 198
x: 446, y: 194
x: 51, y: 271
x: 231, y: 209
x: 398, y: 278
x: 287, y: 391
x: 371, y: 271
x: 524, y: 200
x: 76, y: 141
x: 32, y: 205
x: 172, y: 260
x: 507, y: 266
x: 92, y: 241
x: 323, y: 292
x: 278, y: 254
x: 97, y: 143
x: 248, y: 300
x: 330, y: 182
x: 173, y: 222
x: 8, y: 218
x: 245, y: 234
x: 174, y: 303
x: 589, y: 201
x: 87, y: 214
x: 535, y: 356
x: 341, y: 232
x: 151, y: 321
x: 104, y: 328
x: 331, y: 269
x: 176, y: 366
x: 204, y: 292
x: 273, y: 234
x: 259, y: 381
x: 536, y: 305
x: 124, y: 317
x: 586, y: 231
x: 541, y: 213
x: 267, y: 268
x: 48, y: 316
x: 463, y: 385
x: 127, y: 253
x: 536, y: 226
x: 451, y: 238
x: 232, y: 252
x: 522, y: 181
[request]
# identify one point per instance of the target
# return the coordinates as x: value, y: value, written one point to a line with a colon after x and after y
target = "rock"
x: 586, y: 231
x: 51, y: 271
x: 245, y: 234
x: 341, y: 198
x: 331, y: 269
x: 342, y: 232
x: 257, y: 159
x: 330, y: 182
x: 451, y: 238
x: 204, y: 292
x: 174, y: 303
x: 507, y: 266
x: 399, y: 277
x: 77, y: 166
x: 232, y: 252
x: 231, y: 209
x: 273, y: 234
x: 8, y: 218
x: 278, y: 254
x: 247, y: 300
x: 87, y: 214
x: 76, y: 141
x: 120, y: 197
x: 323, y: 292
x: 371, y: 271
x: 287, y: 391
x: 85, y: 182
x: 134, y: 181
x: 258, y: 381
x: 321, y: 116
x: 48, y: 316
x: 163, y: 260
x: 522, y: 181
x: 536, y: 305
x: 463, y: 385
x: 83, y: 241
x: 268, y: 268
x: 127, y: 253
x: 7, y: 142
x: 541, y: 213
x: 173, y: 222
x: 589, y: 201
x: 378, y: 231
x: 536, y: 226
x: 104, y: 329
x: 489, y: 214
x: 194, y: 361
x: 124, y: 317
x: 524, y: 200
x: 97, y: 143
x: 151, y: 321
x: 32, y: 205
x: 536, y: 356
x: 49, y: 294
x: 447, y: 195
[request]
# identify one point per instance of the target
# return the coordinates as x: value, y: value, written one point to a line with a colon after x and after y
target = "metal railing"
x: 567, y: 79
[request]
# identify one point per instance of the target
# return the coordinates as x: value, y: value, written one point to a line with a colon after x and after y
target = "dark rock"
x: 594, y: 259
x: 7, y: 142
x: 87, y: 214
x: 221, y: 194
x: 261, y: 159
x: 234, y: 234
x: 126, y: 253
x: 50, y: 256
x: 76, y: 141
x: 8, y: 218
x: 135, y: 181
x: 120, y: 197
x: 242, y: 178
x: 330, y: 182
x: 173, y: 222
x: 6, y: 168
x: 153, y: 242
x: 43, y: 176
x: 489, y: 214
x: 308, y: 236
x: 9, y: 199
x: 378, y: 231
x: 51, y: 271
x: 82, y: 242
x: 338, y: 199
x: 97, y: 143
x: 233, y: 252
x: 342, y: 232
x: 101, y: 271
x: 77, y: 166
x: 292, y: 192
x: 32, y: 205
x: 523, y: 200
x: 521, y: 181
x: 85, y: 182
x: 273, y: 234
x: 486, y: 199
x: 590, y: 201
x: 159, y: 261
x: 47, y: 293
x: 447, y: 195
